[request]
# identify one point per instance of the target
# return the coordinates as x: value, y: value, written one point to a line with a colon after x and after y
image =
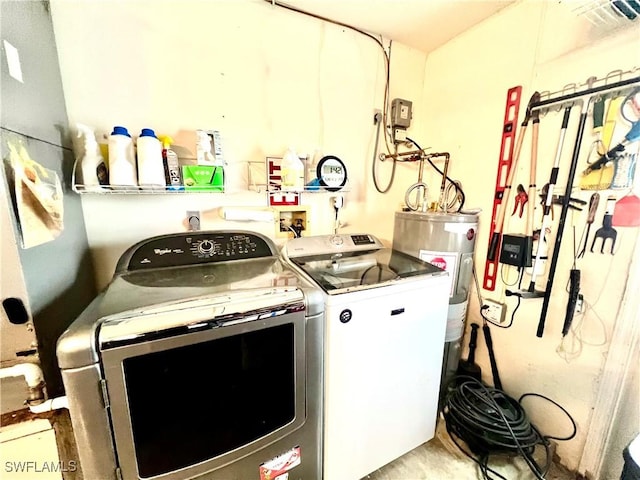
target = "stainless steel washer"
x: 202, y: 358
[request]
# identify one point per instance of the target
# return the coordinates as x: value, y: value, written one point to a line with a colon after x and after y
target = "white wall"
x: 265, y: 77
x: 539, y: 46
x: 268, y: 78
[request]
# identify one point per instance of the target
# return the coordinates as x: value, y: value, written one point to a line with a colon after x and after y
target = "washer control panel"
x: 194, y: 248
x: 322, y: 244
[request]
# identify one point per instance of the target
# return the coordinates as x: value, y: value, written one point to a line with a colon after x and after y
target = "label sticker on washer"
x: 277, y: 468
x: 447, y: 261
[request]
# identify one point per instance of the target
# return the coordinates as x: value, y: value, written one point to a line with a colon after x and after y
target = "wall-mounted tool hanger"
x: 585, y: 98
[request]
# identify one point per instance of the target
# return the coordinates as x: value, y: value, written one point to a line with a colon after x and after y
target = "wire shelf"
x: 132, y: 190
x: 607, y: 13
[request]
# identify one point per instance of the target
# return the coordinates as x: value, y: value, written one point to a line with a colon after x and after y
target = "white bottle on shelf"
x: 150, y: 165
x: 122, y: 160
x: 92, y: 165
x: 292, y: 172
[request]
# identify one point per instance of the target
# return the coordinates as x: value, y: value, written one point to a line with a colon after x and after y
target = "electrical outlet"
x: 496, y: 311
x: 377, y: 116
x: 193, y: 220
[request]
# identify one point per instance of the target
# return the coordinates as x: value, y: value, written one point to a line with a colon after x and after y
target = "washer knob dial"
x: 205, y: 246
x: 336, y: 241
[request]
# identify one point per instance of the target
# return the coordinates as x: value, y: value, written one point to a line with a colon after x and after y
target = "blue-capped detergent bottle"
x: 122, y: 160
x: 150, y: 165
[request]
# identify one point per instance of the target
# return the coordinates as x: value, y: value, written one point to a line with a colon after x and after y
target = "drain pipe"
x: 32, y: 374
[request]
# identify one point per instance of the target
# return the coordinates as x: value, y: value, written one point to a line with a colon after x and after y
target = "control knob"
x: 205, y: 246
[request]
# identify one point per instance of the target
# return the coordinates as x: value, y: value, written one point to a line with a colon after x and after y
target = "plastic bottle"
x: 150, y: 163
x: 122, y: 160
x: 92, y: 165
x: 292, y: 172
x: 171, y: 164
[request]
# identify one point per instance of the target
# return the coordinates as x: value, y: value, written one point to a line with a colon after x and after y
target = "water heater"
x: 446, y: 240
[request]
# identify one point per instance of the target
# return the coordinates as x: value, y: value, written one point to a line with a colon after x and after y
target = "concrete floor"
x: 440, y: 459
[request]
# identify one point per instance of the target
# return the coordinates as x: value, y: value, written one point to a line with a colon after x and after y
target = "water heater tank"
x: 446, y: 240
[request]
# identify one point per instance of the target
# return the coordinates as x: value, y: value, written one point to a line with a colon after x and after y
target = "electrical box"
x: 516, y: 250
x: 495, y: 311
x: 400, y: 113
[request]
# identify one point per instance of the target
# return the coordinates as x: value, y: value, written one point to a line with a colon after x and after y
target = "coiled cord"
x: 489, y: 422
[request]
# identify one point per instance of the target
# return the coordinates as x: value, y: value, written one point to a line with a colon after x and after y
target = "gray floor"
x: 440, y: 459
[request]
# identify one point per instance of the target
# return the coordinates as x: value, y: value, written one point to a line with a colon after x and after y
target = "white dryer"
x: 386, y: 315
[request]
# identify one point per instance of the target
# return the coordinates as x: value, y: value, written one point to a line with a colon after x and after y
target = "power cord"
x: 490, y: 422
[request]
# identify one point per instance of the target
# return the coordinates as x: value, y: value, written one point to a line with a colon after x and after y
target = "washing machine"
x: 201, y: 359
x: 385, y: 320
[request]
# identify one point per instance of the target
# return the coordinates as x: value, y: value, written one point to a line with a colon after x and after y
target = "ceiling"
x: 421, y: 24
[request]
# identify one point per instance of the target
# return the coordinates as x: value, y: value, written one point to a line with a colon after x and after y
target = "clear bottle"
x: 92, y: 164
x: 122, y: 160
x: 292, y: 172
x: 150, y: 165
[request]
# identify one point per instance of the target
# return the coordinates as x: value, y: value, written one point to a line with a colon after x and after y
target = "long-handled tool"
x: 469, y: 367
x: 546, y: 219
x: 497, y: 383
x: 497, y: 232
x: 585, y: 106
x: 607, y: 231
x: 591, y: 216
x: 533, y: 165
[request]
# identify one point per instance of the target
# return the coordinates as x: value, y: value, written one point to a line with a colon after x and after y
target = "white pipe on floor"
x: 50, y: 405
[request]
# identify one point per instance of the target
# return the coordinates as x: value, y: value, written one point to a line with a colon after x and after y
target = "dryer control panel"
x: 194, y: 248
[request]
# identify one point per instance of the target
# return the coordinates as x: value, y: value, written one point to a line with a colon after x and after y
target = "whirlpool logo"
x: 30, y: 466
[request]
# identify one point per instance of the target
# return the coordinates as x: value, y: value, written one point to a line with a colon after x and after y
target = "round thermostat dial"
x: 332, y: 173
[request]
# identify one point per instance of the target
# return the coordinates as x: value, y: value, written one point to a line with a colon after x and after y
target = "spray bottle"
x: 171, y: 163
x: 92, y: 165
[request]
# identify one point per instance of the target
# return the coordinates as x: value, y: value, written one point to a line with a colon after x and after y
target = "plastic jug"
x: 150, y: 165
x: 122, y: 161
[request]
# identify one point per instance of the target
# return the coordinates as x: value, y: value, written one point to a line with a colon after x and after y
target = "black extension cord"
x: 491, y: 422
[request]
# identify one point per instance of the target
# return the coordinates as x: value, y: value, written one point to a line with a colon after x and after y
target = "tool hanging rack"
x: 585, y: 98
x: 612, y: 84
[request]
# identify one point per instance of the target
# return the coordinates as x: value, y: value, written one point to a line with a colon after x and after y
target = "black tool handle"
x: 473, y: 342
x: 563, y: 216
x: 593, y: 207
x: 492, y: 357
x: 574, y: 290
x: 493, y: 246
